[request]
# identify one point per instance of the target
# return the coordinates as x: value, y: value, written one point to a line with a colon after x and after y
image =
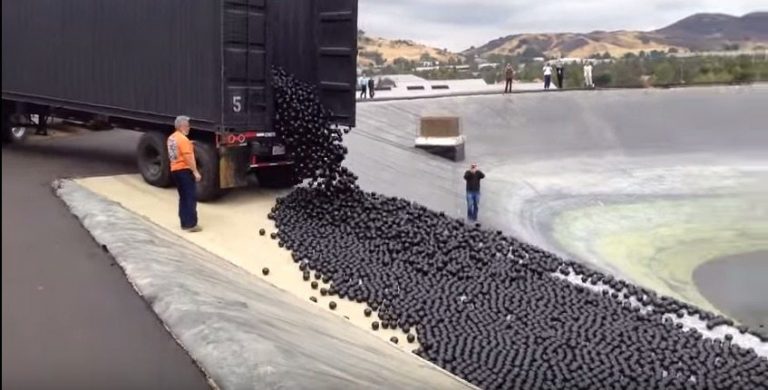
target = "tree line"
x: 654, y: 68
x: 639, y: 71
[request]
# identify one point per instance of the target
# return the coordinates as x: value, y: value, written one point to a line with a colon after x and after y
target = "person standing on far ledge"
x: 363, y: 87
x: 510, y: 74
x: 473, y: 177
x: 560, y: 72
x: 588, y: 75
x: 371, y: 87
x: 181, y: 152
x: 547, y: 75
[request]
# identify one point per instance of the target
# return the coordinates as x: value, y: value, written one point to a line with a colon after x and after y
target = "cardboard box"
x: 440, y: 126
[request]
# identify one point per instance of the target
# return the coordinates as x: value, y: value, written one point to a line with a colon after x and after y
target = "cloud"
x: 459, y: 24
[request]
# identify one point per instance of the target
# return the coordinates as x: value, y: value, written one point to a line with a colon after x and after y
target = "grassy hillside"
x: 700, y: 32
x: 381, y: 51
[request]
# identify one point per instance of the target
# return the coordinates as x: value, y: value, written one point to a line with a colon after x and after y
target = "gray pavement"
x: 71, y: 320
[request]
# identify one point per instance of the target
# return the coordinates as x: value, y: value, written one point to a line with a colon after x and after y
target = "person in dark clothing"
x: 371, y: 86
x: 510, y: 74
x: 560, y: 72
x: 473, y: 177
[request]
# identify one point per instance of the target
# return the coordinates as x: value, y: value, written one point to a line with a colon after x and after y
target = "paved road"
x: 71, y: 320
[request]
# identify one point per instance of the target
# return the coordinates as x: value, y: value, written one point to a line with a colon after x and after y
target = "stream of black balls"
x: 485, y: 306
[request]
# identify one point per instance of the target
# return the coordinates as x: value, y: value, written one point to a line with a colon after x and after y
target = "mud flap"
x: 233, y: 167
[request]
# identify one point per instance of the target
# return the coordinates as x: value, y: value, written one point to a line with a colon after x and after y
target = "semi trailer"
x: 137, y: 64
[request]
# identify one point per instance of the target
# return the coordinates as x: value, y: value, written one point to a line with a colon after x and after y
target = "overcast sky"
x: 459, y: 24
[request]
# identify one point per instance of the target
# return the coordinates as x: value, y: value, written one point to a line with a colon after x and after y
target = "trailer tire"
x: 6, y: 126
x: 207, y: 159
x: 16, y: 128
x: 278, y: 177
x: 99, y: 123
x: 152, y: 159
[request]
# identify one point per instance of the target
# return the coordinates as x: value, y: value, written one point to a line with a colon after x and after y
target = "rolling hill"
x: 381, y: 51
x: 698, y: 32
x: 712, y: 31
x: 617, y: 43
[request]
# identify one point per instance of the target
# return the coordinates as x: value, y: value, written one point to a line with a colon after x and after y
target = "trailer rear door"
x: 337, y: 57
x: 245, y: 72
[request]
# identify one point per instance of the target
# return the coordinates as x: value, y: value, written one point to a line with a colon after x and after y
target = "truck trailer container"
x: 137, y: 64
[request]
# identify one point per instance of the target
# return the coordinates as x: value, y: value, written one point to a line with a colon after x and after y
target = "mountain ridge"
x: 697, y: 32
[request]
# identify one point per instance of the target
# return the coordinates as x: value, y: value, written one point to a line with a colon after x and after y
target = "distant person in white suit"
x: 363, y: 82
x: 588, y: 75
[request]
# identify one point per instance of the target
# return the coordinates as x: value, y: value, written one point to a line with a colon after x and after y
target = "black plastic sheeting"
x: 244, y: 333
x: 547, y: 153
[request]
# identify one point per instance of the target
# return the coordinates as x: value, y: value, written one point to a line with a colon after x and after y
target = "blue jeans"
x: 185, y: 184
x: 473, y: 205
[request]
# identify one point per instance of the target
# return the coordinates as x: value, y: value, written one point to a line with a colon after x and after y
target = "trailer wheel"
x: 99, y: 123
x: 152, y: 158
x: 15, y: 127
x: 6, y: 126
x: 277, y: 177
x: 207, y: 159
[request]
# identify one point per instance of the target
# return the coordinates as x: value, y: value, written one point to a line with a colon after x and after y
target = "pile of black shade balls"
x: 485, y: 306
x: 490, y: 309
x: 313, y: 143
